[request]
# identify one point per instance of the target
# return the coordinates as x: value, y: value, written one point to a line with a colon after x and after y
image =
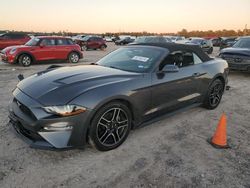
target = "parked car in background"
x: 151, y: 39
x: 108, y: 39
x: 227, y: 42
x: 78, y: 38
x: 46, y: 48
x: 11, y: 39
x: 102, y: 102
x: 92, y: 42
x: 177, y: 38
x: 216, y: 41
x: 238, y: 56
x: 124, y: 41
x: 206, y: 45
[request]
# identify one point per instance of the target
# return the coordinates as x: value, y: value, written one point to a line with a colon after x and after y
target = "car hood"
x: 11, y: 47
x: 236, y: 51
x: 60, y: 86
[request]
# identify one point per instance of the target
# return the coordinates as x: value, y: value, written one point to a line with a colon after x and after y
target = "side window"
x: 197, y: 60
x: 48, y: 42
x: 16, y: 36
x: 70, y: 42
x: 178, y: 58
x: 62, y: 42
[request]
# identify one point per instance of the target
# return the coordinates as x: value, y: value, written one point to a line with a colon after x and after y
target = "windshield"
x: 242, y: 43
x: 132, y: 59
x: 32, y: 42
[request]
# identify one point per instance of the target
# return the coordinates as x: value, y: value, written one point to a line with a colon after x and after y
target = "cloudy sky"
x: 123, y: 15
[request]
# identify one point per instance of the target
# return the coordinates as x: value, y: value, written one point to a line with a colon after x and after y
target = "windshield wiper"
x: 115, y: 67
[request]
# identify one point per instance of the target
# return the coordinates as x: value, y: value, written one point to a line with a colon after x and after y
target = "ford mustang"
x: 64, y: 107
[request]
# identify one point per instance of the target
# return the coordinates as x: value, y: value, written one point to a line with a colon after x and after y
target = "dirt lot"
x: 170, y: 153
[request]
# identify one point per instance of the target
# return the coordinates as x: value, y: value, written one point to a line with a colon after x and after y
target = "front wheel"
x: 110, y: 126
x: 25, y: 60
x: 214, y: 94
x: 73, y: 57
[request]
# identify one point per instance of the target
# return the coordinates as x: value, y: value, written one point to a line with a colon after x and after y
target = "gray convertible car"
x: 64, y: 107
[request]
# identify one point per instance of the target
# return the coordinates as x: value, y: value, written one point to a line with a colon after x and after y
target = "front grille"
x: 27, y: 133
x: 24, y: 109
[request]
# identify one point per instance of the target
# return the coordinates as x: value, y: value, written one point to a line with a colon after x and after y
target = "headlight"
x: 66, y: 110
x: 13, y: 50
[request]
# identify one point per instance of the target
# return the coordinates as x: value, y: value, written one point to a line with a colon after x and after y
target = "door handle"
x: 196, y: 74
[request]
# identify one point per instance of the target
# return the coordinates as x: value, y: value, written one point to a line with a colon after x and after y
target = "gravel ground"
x: 172, y: 152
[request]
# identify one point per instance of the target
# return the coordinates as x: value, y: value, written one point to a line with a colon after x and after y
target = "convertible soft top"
x: 183, y: 47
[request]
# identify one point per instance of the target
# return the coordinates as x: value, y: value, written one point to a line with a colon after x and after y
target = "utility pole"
x: 245, y: 30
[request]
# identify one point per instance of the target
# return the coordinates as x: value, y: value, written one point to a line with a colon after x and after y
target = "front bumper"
x: 243, y: 66
x: 30, y: 121
x: 7, y: 58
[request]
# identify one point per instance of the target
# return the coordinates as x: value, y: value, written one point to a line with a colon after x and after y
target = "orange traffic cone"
x: 219, y: 140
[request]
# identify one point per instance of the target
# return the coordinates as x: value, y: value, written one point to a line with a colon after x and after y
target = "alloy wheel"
x: 112, y: 126
x: 216, y: 94
x: 26, y: 61
x: 74, y: 58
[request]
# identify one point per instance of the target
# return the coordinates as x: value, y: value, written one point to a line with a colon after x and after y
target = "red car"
x: 11, y: 39
x: 92, y: 42
x: 42, y: 49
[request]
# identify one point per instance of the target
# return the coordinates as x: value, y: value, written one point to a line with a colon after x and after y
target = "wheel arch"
x: 221, y: 78
x: 117, y: 99
x: 75, y: 51
x: 33, y: 59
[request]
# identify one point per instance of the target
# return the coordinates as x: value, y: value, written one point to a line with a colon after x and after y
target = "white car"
x: 108, y: 39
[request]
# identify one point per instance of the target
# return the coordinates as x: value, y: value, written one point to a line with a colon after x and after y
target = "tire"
x: 102, y: 47
x: 84, y: 48
x: 210, y: 51
x: 25, y: 60
x: 214, y: 94
x: 110, y: 126
x: 74, y: 57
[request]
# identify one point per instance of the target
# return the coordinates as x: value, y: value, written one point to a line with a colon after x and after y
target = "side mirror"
x: 170, y: 68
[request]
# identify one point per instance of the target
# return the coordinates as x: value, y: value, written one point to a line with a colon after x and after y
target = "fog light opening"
x: 58, y: 126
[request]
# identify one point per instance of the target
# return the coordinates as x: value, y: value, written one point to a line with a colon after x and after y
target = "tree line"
x: 183, y: 32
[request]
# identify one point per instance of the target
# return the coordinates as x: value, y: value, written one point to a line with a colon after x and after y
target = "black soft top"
x: 183, y: 47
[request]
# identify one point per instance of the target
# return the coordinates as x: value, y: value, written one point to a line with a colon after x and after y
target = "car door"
x: 172, y: 90
x: 45, y: 50
x: 92, y: 43
x: 62, y: 48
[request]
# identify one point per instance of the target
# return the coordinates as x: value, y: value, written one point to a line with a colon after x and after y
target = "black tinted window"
x: 70, y: 42
x: 178, y: 58
x: 16, y: 36
x: 62, y: 42
x: 48, y: 42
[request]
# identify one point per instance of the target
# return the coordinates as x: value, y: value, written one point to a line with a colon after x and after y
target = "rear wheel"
x: 73, y: 57
x: 25, y: 60
x: 102, y: 47
x: 214, y: 94
x: 110, y: 126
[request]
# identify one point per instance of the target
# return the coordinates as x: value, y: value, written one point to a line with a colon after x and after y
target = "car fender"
x: 24, y: 52
x: 76, y: 51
